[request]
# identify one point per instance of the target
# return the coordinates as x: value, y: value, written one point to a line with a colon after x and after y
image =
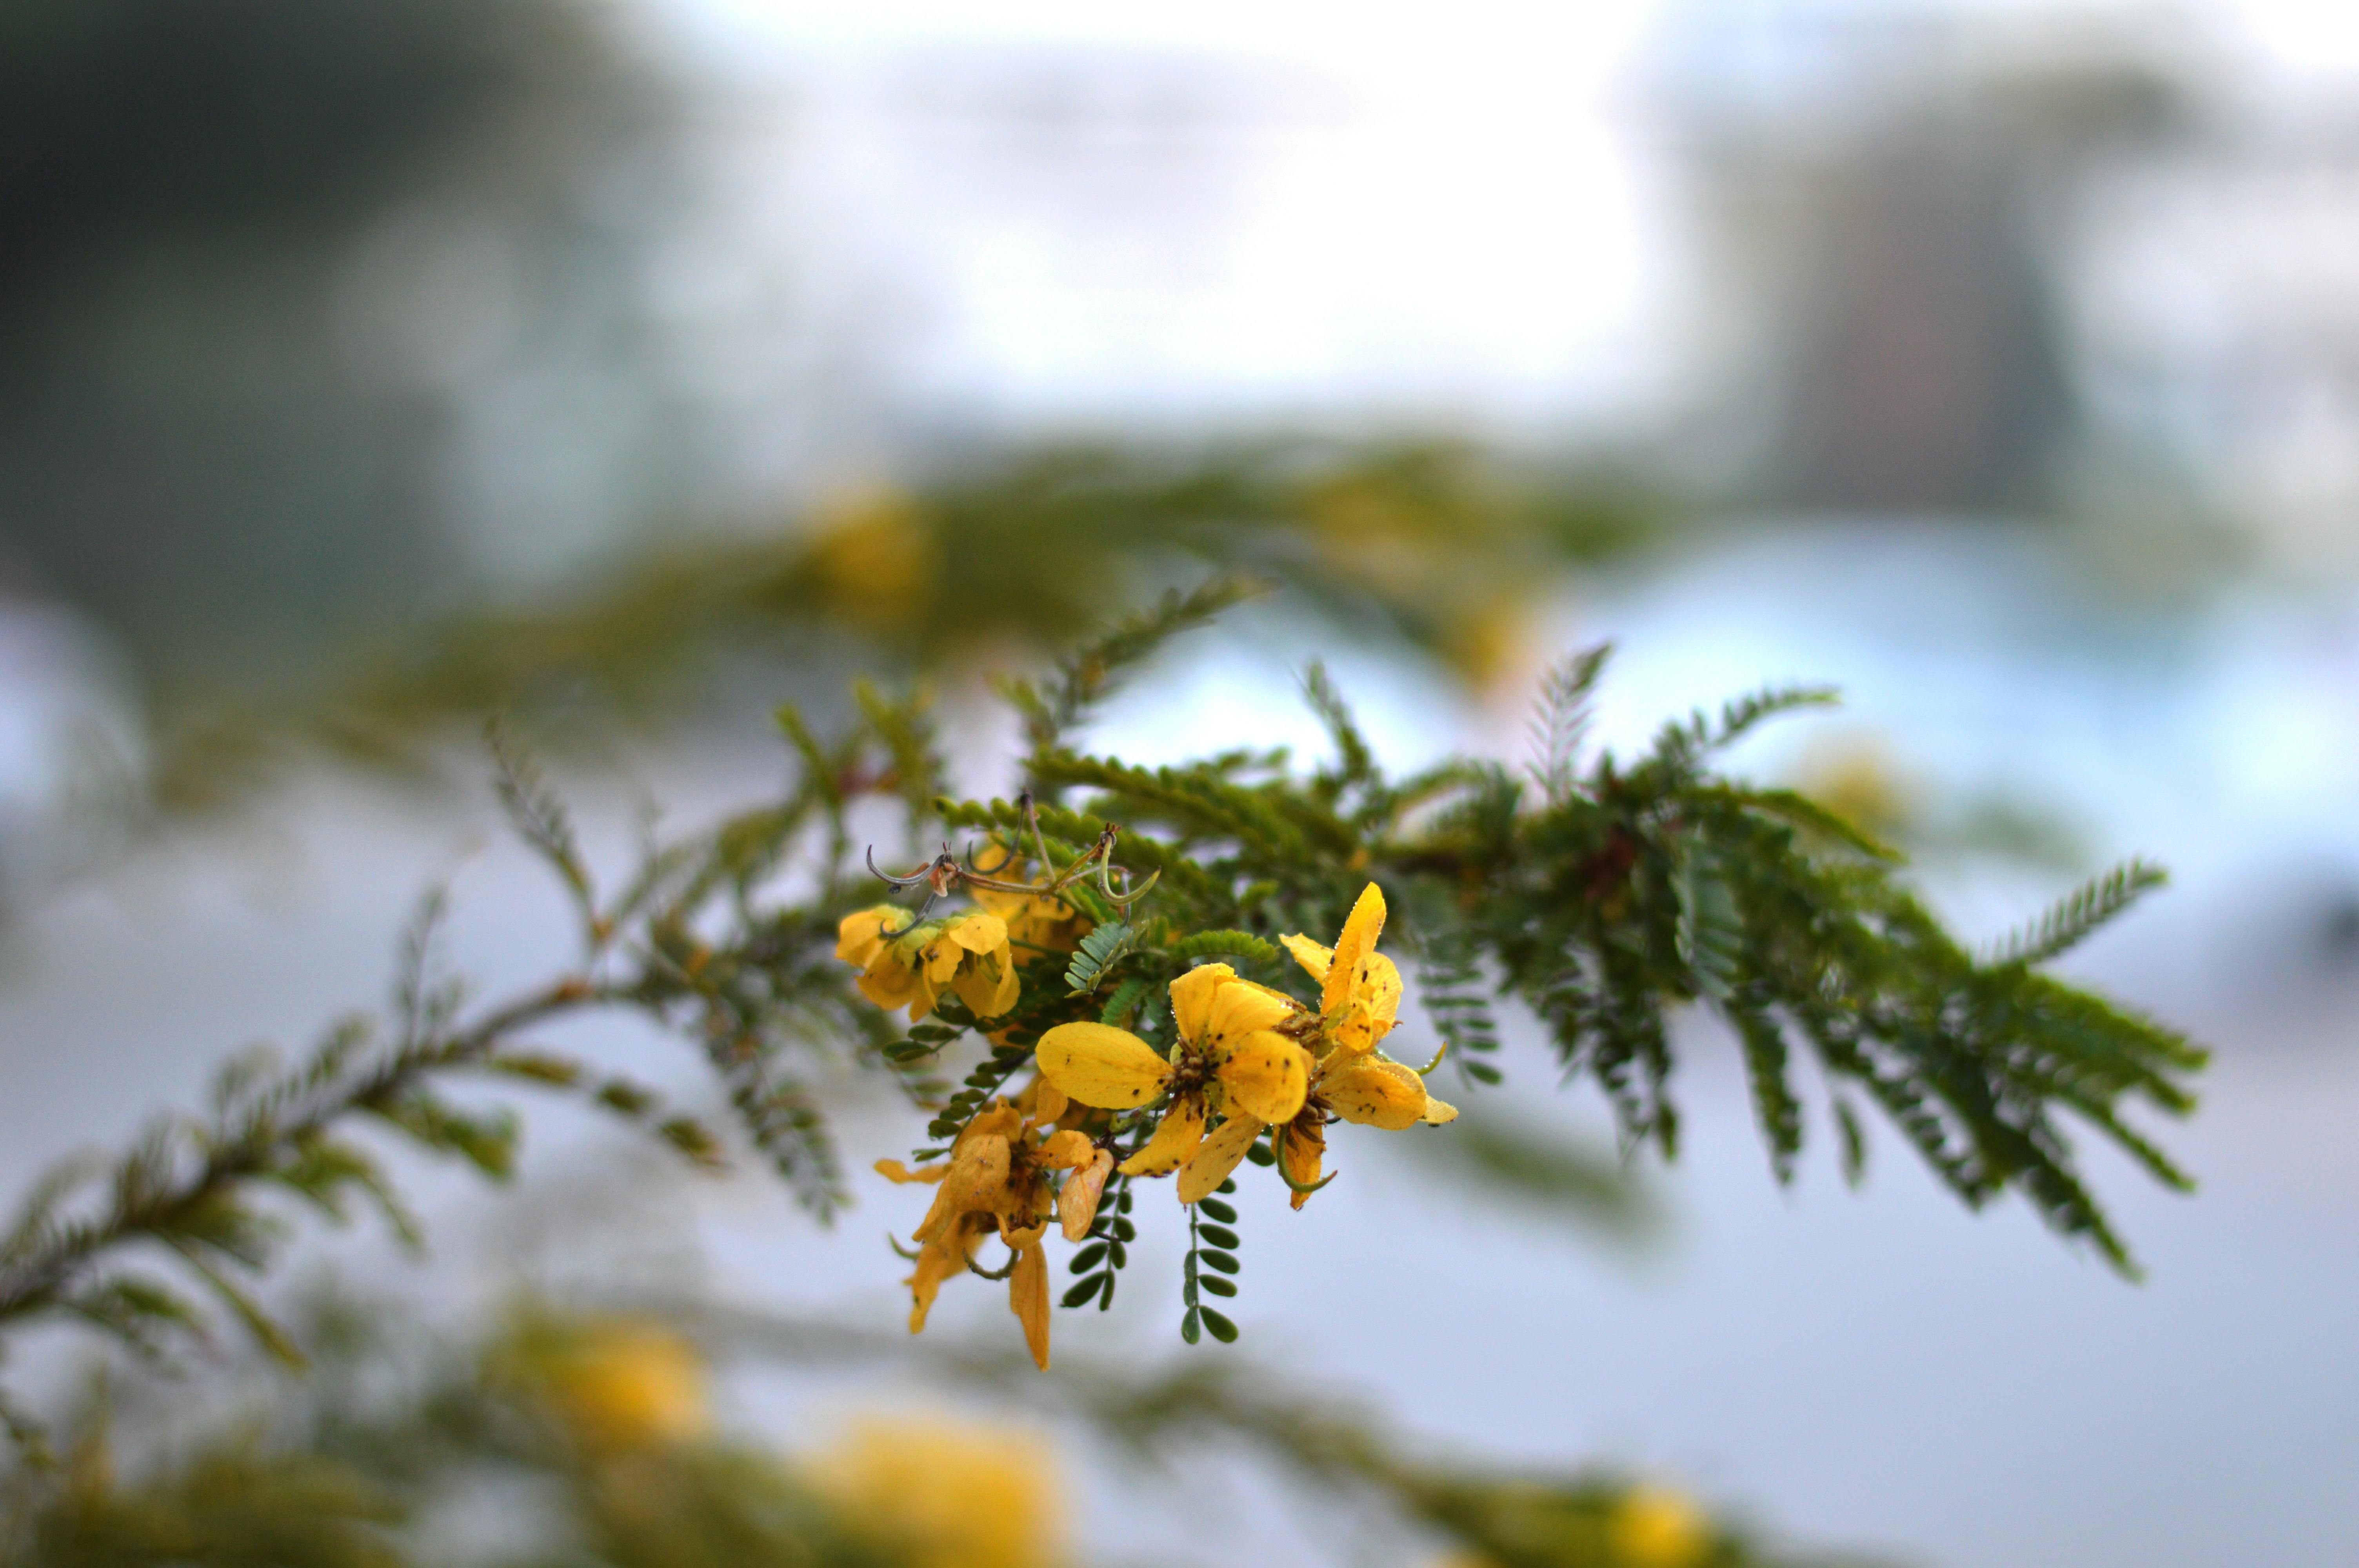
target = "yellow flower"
x: 1360, y: 998
x: 1038, y: 921
x: 620, y: 1383
x: 1657, y: 1528
x: 1359, y: 1002
x: 905, y: 965
x: 996, y: 1180
x: 947, y: 1495
x: 1228, y: 1059
x: 878, y: 561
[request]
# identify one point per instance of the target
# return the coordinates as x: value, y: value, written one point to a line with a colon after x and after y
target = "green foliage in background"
x: 1441, y: 546
x: 595, y: 1431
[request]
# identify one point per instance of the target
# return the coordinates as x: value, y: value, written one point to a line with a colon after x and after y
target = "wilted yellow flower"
x: 1227, y: 1059
x: 1359, y: 1002
x: 626, y: 1382
x: 1657, y: 1528
x: 997, y: 1181
x: 912, y: 966
x: 947, y: 1495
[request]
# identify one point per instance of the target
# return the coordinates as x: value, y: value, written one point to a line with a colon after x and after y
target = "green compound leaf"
x: 1100, y: 951
x: 1226, y: 944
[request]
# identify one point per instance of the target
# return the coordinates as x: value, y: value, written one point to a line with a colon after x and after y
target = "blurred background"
x: 368, y: 365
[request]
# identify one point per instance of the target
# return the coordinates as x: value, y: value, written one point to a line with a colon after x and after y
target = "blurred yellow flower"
x: 875, y: 561
x: 626, y: 1382
x: 1359, y: 1003
x: 1657, y: 1528
x: 997, y: 1181
x: 1487, y: 641
x: 1228, y: 1059
x: 905, y: 965
x: 950, y: 1495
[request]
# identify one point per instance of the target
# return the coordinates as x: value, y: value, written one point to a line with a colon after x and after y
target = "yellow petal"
x: 978, y: 933
x: 1374, y: 1093
x: 937, y: 1261
x: 987, y: 986
x: 1359, y: 940
x: 895, y: 1172
x: 1239, y: 1008
x: 1077, y: 1201
x: 1011, y: 983
x: 1437, y: 1111
x: 1110, y: 1068
x: 1213, y: 1163
x: 1001, y: 1120
x: 976, y: 1181
x: 1265, y: 1075
x: 923, y: 995
x: 1192, y: 998
x: 1309, y: 954
x: 1301, y: 1155
x: 1064, y: 1151
x: 859, y: 936
x: 1371, y: 1007
x: 1028, y: 1298
x: 1048, y: 1102
x: 941, y: 958
x: 1175, y: 1139
x: 888, y: 984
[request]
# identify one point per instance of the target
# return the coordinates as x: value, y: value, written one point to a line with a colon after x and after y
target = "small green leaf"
x: 1188, y: 1329
x: 1219, y: 1260
x: 1123, y: 1002
x: 1217, y: 1285
x: 1100, y: 951
x: 1222, y: 1329
x: 1710, y: 937
x: 1213, y: 1208
x: 1088, y: 1257
x: 1854, y: 1144
x: 1218, y: 1236
x: 1226, y: 944
x: 1080, y: 1294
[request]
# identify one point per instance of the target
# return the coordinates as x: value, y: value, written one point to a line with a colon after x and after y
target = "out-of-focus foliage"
x: 585, y: 1437
x: 1443, y: 548
x: 591, y: 1432
x: 241, y: 241
x: 130, y: 117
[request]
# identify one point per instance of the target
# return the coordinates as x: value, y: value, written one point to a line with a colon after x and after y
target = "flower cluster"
x: 997, y: 1181
x: 905, y: 962
x: 1257, y: 1060
x: 1244, y: 1061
